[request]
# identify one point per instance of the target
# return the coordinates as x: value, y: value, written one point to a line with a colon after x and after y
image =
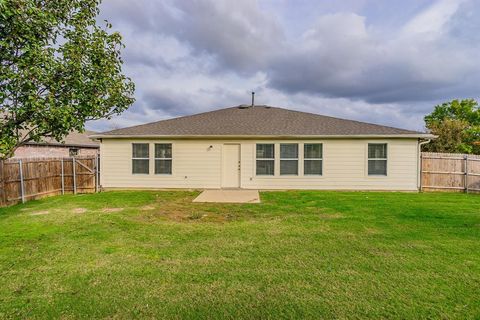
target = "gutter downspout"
x: 419, y: 163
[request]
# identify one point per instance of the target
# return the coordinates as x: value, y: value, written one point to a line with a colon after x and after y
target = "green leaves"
x: 466, y: 110
x: 457, y: 125
x: 58, y: 69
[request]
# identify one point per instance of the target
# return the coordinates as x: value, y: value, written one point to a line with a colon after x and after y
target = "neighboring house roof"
x: 258, y: 121
x: 74, y: 139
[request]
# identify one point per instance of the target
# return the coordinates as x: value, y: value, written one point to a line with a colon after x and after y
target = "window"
x: 163, y: 158
x: 313, y: 156
x: 265, y: 159
x: 140, y: 158
x: 73, y: 152
x: 289, y: 159
x: 377, y: 159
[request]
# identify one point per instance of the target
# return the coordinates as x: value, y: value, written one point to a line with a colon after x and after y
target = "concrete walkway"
x: 229, y: 196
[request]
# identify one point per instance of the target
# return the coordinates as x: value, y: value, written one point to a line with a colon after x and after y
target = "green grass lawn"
x: 303, y: 254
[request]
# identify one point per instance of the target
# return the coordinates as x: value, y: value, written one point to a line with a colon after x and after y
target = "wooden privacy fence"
x: 27, y: 179
x: 450, y: 172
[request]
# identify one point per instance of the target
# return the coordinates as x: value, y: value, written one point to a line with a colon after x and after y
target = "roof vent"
x: 246, y: 106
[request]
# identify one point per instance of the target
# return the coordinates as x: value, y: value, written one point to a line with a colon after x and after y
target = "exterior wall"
x: 46, y: 151
x: 197, y: 165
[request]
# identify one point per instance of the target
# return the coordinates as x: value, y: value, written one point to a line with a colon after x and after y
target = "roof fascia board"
x: 250, y: 137
x: 46, y: 144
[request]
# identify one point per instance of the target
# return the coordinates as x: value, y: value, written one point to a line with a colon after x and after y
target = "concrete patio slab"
x: 229, y: 196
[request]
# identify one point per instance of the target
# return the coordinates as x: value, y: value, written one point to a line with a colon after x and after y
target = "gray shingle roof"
x: 73, y: 139
x: 257, y: 121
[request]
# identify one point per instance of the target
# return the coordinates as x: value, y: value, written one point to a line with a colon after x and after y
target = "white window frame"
x: 289, y: 159
x: 155, y: 159
x: 313, y: 159
x: 270, y: 159
x: 148, y: 158
x: 383, y: 159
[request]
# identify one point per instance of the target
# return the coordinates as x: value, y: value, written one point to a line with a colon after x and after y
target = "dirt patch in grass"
x: 79, y: 210
x: 372, y: 231
x: 418, y: 245
x: 329, y: 216
x: 39, y: 213
x: 179, y: 215
x: 111, y: 210
x: 185, y: 216
x: 172, y: 215
x: 181, y: 210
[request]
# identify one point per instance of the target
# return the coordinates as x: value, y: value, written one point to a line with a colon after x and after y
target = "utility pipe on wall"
x: 419, y: 164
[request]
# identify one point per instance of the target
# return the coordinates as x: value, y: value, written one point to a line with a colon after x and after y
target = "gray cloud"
x: 193, y: 56
x: 236, y: 33
x: 350, y: 61
x: 172, y: 103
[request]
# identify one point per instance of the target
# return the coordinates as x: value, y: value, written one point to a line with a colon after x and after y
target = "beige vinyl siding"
x: 196, y: 165
x: 193, y: 166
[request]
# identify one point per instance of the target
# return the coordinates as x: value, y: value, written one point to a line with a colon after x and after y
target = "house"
x: 260, y: 147
x: 75, y: 144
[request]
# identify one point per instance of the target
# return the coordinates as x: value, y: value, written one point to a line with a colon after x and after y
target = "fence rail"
x: 450, y: 172
x: 22, y: 180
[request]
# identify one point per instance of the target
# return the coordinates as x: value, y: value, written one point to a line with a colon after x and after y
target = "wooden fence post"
x: 3, y: 199
x: 466, y: 173
x: 96, y: 174
x: 74, y: 176
x: 22, y: 187
x: 63, y: 178
x: 421, y: 171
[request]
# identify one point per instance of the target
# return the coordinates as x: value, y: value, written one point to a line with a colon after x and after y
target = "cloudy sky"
x: 386, y: 62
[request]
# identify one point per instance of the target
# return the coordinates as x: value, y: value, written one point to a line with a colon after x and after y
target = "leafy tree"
x: 58, y: 69
x: 451, y: 136
x: 457, y: 125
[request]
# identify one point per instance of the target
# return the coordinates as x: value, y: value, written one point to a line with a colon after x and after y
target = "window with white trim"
x: 265, y: 159
x: 289, y: 159
x: 163, y: 158
x: 377, y: 159
x: 313, y: 159
x: 140, y: 158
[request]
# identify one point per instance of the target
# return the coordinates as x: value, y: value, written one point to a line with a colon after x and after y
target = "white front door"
x: 231, y: 166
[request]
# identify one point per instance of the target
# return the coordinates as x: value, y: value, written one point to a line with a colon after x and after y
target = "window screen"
x: 163, y: 158
x: 265, y: 163
x: 313, y: 159
x: 140, y: 158
x: 289, y: 159
x: 377, y: 159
